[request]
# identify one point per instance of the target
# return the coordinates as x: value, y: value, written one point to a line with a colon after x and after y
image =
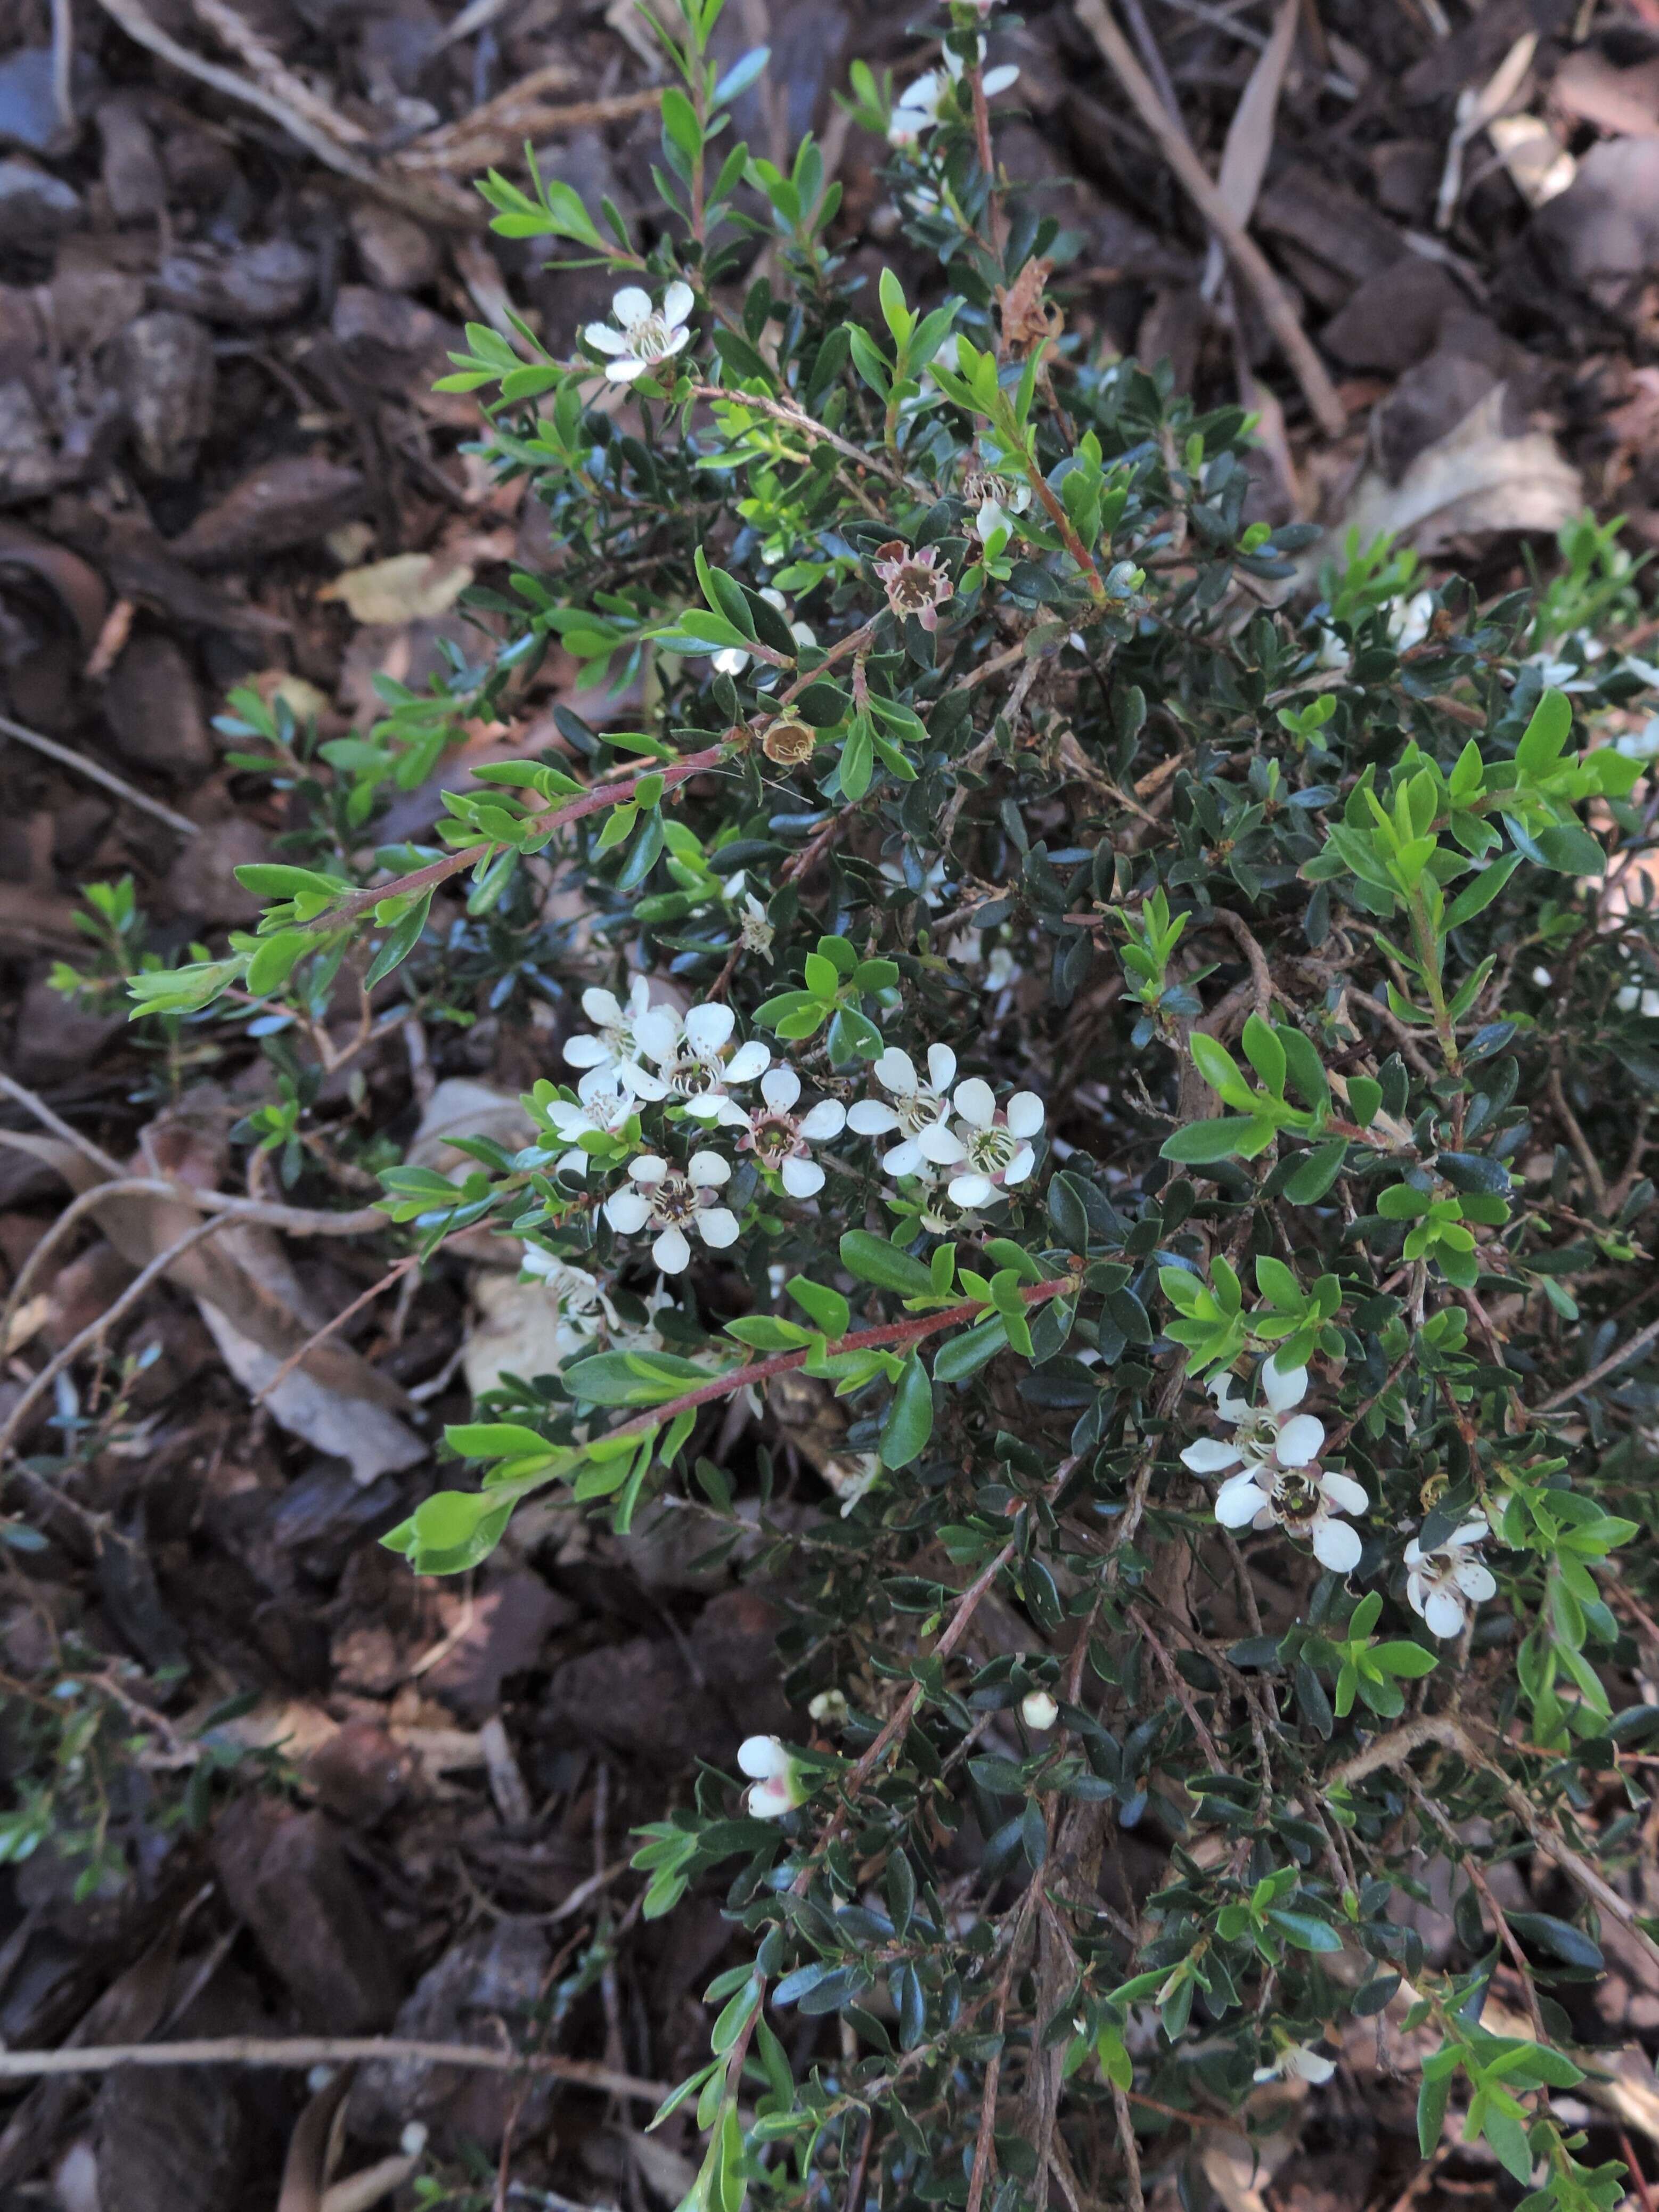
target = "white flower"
x: 663, y: 1198
x: 688, y: 1052
x: 918, y: 1110
x: 1639, y: 745
x: 613, y: 1023
x: 993, y: 1145
x: 642, y: 335
x: 1446, y: 1584
x: 828, y: 1708
x: 732, y: 660
x: 1263, y: 1432
x: 776, y: 1784
x: 605, y: 1106
x: 782, y: 1141
x: 1038, y: 1711
x: 1333, y: 653
x: 919, y: 104
x: 1303, y: 1501
x: 996, y: 500
x: 1298, y: 2061
x: 1409, y: 620
x: 1630, y: 1000
x: 755, y: 932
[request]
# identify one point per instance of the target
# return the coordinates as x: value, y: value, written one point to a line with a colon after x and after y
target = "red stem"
x: 863, y: 1339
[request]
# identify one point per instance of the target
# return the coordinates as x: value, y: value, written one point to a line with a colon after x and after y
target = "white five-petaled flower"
x: 1409, y: 619
x: 1298, y: 2061
x: 774, y: 1781
x: 639, y: 335
x: 1260, y: 1433
x: 781, y: 1139
x: 1446, y: 1584
x: 1303, y: 1501
x: 605, y: 1108
x: 755, y: 930
x: 613, y: 1040
x: 732, y: 660
x: 990, y: 1146
x: 920, y: 104
x: 689, y: 1063
x: 672, y: 1202
x: 918, y: 1110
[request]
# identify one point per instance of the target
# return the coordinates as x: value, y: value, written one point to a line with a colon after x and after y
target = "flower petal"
x: 708, y: 1169
x: 672, y: 1252
x: 801, y: 1178
x: 762, y: 1758
x: 1475, y: 1580
x: 601, y: 1008
x: 748, y: 1062
x: 1343, y: 1494
x: 1443, y: 1613
x: 676, y: 340
x: 941, y: 1066
x: 603, y: 339
x: 1238, y: 1501
x: 870, y: 1117
x: 647, y: 1169
x: 587, y: 1052
x: 1336, y: 1545
x: 717, y: 1225
x: 630, y: 306
x: 904, y: 1159
x: 1025, y: 1112
x: 1283, y: 1387
x: 938, y: 1144
x: 657, y: 1033
x: 897, y: 1072
x: 1300, y: 1441
x: 708, y: 1030
x: 999, y: 79
x: 625, y: 371
x: 1209, y: 1455
x: 1019, y: 1167
x: 827, y: 1119
x: 971, y: 1189
x: 678, y: 302
x: 779, y: 1088
x: 628, y: 1211
x: 976, y: 1102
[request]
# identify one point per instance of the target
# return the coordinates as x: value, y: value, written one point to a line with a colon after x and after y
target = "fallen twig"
x: 95, y: 772
x: 1200, y: 188
x: 302, y: 2052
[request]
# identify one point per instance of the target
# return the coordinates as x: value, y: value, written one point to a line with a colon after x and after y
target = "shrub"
x: 1169, y: 1055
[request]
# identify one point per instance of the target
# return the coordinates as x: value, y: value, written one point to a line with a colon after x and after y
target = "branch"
x: 305, y: 2051
x: 863, y: 1339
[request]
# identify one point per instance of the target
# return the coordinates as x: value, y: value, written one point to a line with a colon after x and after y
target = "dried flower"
x: 914, y: 581
x: 640, y: 335
x: 788, y: 741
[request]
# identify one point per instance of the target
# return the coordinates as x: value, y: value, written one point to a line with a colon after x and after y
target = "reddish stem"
x: 863, y: 1339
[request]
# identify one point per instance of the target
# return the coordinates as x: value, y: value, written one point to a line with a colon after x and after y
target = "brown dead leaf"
x: 1250, y: 137
x: 313, y: 2147
x: 1475, y: 480
x: 1027, y: 317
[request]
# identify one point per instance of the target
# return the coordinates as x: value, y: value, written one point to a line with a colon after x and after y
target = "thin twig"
x: 63, y: 62
x: 89, y: 1335
x: 1195, y: 181
x: 318, y: 1335
x: 305, y: 2051
x: 1638, y: 1343
x: 79, y: 765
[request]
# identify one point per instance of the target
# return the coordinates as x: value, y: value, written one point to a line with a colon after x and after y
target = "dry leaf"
x: 313, y: 2147
x: 408, y: 587
x: 1474, y: 480
x: 1539, y: 165
x: 517, y: 1332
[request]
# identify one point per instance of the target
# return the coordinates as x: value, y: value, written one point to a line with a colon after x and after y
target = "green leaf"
x: 1302, y: 1929
x: 1197, y: 1142
x: 1404, y: 1658
x: 494, y: 1440
x: 1265, y: 1053
x: 962, y: 1356
x: 825, y: 1306
x: 1478, y: 895
x: 632, y: 1378
x: 1431, y: 2102
x: 1221, y: 1071
x: 1316, y: 1172
x: 910, y: 1421
x: 1546, y: 735
x: 873, y: 1260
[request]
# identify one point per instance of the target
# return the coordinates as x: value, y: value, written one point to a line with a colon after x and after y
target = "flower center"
x: 1297, y: 1499
x: 991, y: 1150
x: 773, y: 1138
x: 912, y: 589
x: 675, y: 1201
x: 648, y: 339
x: 688, y: 1075
x: 918, y: 1110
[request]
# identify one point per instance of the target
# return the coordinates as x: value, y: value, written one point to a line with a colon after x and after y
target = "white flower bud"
x: 1038, y: 1711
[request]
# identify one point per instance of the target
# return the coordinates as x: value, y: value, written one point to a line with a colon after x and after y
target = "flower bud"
x: 1038, y: 1711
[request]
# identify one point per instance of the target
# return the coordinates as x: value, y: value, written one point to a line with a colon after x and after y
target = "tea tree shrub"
x: 1172, y: 1051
